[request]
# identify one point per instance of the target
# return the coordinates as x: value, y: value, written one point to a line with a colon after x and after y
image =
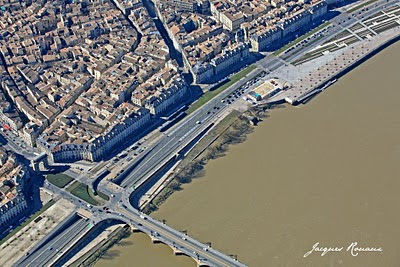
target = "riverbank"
x: 233, y: 129
x: 296, y: 175
x: 274, y: 196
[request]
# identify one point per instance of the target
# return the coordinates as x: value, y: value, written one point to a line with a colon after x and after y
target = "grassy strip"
x: 72, y: 186
x: 103, y: 196
x: 94, y: 254
x: 59, y: 179
x: 92, y: 195
x: 99, y: 196
x: 27, y: 221
x: 301, y: 38
x: 211, y: 94
x: 232, y: 131
x: 81, y: 190
x: 361, y: 6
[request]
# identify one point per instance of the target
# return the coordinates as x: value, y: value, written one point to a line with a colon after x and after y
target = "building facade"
x: 260, y: 41
x: 167, y: 99
x: 12, y: 198
x: 230, y: 58
x: 98, y: 148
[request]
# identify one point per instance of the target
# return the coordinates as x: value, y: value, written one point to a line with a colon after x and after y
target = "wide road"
x: 47, y: 253
x: 187, y: 129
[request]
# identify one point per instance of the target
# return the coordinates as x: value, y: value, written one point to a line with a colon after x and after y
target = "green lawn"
x: 301, y: 38
x: 27, y: 221
x: 361, y: 6
x: 211, y: 94
x: 80, y: 190
x: 59, y: 179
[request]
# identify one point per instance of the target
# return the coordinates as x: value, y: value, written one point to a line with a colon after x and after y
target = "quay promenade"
x: 315, y: 81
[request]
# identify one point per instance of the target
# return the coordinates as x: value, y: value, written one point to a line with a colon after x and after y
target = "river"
x: 323, y: 172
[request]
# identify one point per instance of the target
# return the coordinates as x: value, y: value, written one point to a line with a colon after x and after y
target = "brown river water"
x: 326, y: 172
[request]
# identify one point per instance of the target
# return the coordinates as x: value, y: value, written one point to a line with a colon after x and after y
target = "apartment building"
x: 13, y: 176
x: 8, y: 115
x: 165, y: 100
x: 192, y: 6
x: 294, y: 22
x: 98, y: 147
x: 202, y: 72
x: 230, y: 57
x: 264, y: 38
x: 318, y: 9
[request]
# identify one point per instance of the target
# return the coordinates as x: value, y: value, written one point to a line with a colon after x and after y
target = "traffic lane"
x: 150, y: 158
x: 340, y: 19
x: 150, y: 228
x: 151, y: 224
x: 173, y: 140
x: 63, y: 246
x: 45, y: 251
x: 188, y: 240
x: 188, y: 245
x: 187, y: 124
x: 59, y: 246
x: 170, y: 148
x: 162, y: 143
x: 332, y: 31
x: 192, y: 119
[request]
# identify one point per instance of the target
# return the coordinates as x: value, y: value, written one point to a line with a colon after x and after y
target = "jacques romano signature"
x: 354, y: 249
